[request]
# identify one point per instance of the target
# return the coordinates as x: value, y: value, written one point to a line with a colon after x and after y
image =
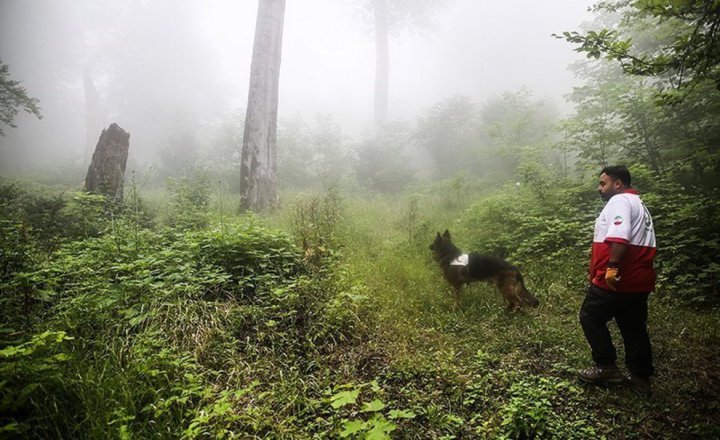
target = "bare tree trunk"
x: 258, y: 168
x: 106, y: 173
x: 92, y: 114
x: 382, y: 63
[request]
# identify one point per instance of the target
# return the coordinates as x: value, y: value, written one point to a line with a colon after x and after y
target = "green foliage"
x: 50, y: 218
x: 383, y: 163
x: 668, y: 123
x: 217, y: 416
x: 311, y: 155
x: 448, y: 131
x: 31, y: 371
x: 486, y: 141
x: 250, y: 254
x: 15, y: 242
x: 189, y: 201
x: 668, y: 139
x: 687, y: 56
x: 413, y: 221
x: 361, y: 418
x: 314, y: 223
x: 620, y: 119
x: 689, y: 245
x: 510, y: 124
x: 155, y: 313
x: 536, y: 226
x: 226, y: 331
x: 531, y: 411
x: 14, y: 97
x: 86, y: 216
x: 34, y: 223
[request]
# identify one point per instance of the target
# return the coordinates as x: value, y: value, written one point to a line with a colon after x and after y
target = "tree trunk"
x: 92, y: 114
x: 381, y: 62
x: 107, y: 170
x: 258, y: 168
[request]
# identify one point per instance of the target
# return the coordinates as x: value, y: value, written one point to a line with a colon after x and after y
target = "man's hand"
x: 612, y: 277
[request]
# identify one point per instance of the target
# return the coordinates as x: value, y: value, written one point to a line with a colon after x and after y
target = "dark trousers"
x: 630, y: 311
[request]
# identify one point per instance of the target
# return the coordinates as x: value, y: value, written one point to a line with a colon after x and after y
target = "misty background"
x: 175, y: 74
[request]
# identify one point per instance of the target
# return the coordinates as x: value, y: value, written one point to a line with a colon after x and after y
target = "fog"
x: 176, y: 73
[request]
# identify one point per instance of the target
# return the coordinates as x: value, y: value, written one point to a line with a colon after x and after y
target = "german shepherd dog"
x: 460, y: 269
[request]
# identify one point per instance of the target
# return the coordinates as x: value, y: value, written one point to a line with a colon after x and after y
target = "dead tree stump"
x: 106, y: 173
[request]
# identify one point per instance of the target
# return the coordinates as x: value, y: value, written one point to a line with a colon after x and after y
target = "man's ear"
x: 446, y: 234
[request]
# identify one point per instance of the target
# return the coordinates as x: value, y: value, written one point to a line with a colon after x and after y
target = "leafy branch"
x: 690, y: 57
x: 13, y: 97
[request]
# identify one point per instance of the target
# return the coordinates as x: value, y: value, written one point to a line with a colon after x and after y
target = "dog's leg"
x: 507, y: 284
x: 527, y: 298
x: 457, y: 290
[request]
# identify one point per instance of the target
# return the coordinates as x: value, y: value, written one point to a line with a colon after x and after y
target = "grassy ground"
x: 148, y: 332
x: 479, y: 371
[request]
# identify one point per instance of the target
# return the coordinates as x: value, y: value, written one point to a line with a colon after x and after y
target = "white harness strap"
x: 462, y: 260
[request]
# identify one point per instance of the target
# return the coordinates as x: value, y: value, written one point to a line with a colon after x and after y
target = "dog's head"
x: 442, y: 246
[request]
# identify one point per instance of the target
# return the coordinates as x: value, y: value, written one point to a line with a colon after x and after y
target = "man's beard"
x: 606, y: 196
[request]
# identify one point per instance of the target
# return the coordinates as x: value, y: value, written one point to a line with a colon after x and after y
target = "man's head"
x: 613, y: 180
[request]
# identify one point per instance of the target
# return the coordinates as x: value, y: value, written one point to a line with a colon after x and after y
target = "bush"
x: 688, y: 244
x: 314, y: 223
x: 149, y: 312
x: 250, y: 254
x: 541, y: 408
x: 189, y: 201
x: 32, y: 371
x: 34, y: 223
x: 523, y: 227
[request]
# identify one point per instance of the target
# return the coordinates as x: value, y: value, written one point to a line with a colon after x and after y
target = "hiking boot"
x: 601, y: 375
x: 640, y: 385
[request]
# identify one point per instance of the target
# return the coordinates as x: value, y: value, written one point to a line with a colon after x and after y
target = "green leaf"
x: 352, y: 427
x: 11, y: 427
x: 380, y: 429
x: 375, y: 405
x: 401, y: 414
x: 344, y: 398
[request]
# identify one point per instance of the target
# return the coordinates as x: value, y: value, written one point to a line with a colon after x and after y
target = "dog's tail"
x: 525, y: 295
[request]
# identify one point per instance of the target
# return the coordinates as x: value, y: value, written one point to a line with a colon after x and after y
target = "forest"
x: 257, y: 273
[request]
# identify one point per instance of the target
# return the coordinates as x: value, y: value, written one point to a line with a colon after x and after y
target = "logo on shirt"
x: 647, y: 219
x: 618, y: 220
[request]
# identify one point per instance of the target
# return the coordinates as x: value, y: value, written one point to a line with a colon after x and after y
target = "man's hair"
x: 618, y: 172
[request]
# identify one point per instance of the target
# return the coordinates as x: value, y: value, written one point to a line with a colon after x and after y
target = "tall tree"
x: 382, y: 62
x: 93, y: 119
x: 389, y: 15
x: 258, y: 168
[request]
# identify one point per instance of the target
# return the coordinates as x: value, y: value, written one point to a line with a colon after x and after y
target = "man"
x: 621, y: 279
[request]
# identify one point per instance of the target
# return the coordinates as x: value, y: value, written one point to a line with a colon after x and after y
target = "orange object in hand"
x: 612, y: 277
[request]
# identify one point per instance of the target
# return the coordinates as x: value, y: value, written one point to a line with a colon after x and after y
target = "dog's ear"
x: 446, y: 234
x: 438, y: 236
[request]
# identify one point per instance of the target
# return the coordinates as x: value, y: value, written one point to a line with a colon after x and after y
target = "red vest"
x: 625, y: 219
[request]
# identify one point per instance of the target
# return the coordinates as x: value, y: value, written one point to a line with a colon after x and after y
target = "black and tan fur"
x: 503, y: 275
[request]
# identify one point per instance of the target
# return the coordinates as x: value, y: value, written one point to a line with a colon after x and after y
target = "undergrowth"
x: 333, y: 323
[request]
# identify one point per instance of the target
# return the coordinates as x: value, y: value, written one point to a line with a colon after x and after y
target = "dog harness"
x: 461, y: 260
